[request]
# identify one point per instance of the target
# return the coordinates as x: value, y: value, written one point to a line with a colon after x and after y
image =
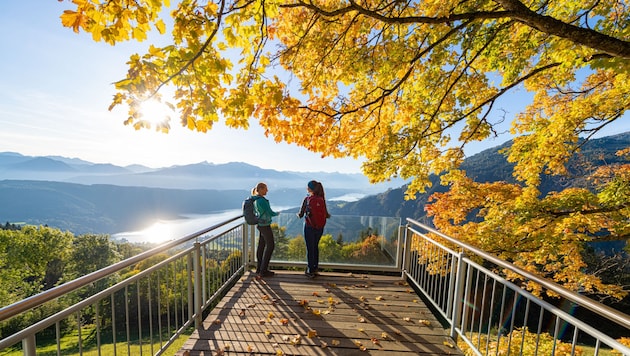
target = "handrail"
x: 55, y: 292
x: 612, y: 314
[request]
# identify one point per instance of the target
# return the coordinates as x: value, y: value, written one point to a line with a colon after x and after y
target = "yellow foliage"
x: 521, y: 342
x: 406, y: 87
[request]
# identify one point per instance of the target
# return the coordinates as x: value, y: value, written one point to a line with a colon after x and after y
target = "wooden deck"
x: 333, y: 314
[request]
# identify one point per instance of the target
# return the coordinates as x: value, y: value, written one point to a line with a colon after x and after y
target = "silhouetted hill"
x: 489, y: 166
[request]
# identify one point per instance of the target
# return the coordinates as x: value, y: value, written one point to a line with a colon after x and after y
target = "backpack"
x: 249, y: 212
x: 316, y: 211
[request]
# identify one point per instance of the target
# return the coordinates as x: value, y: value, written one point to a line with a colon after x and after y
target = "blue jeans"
x: 312, y: 237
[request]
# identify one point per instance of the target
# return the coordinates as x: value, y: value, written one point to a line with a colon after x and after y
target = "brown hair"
x: 317, y: 188
x: 258, y: 187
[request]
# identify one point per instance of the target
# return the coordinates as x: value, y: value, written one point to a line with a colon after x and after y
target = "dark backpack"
x: 249, y: 212
x: 316, y: 211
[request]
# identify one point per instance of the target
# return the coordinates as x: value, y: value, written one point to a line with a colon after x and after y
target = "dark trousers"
x: 266, y: 245
x: 312, y: 237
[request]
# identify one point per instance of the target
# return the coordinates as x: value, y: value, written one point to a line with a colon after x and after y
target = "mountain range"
x: 85, y: 197
x: 203, y: 175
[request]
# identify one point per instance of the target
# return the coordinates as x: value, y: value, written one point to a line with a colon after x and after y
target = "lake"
x: 164, y: 230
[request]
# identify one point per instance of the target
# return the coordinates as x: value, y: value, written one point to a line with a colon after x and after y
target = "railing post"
x: 29, y: 347
x: 245, y: 241
x: 458, y: 295
x: 406, y: 250
x: 197, y: 285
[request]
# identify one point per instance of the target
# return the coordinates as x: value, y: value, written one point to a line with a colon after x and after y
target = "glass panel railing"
x: 349, y: 242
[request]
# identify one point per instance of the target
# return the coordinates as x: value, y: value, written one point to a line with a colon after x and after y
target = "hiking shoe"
x: 309, y: 275
x: 268, y: 274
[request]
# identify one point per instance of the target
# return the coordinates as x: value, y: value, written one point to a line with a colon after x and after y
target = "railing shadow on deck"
x: 148, y: 310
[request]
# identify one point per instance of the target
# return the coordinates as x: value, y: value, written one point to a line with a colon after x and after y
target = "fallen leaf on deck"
x: 311, y: 334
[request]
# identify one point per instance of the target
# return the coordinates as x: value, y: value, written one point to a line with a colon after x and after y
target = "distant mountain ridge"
x: 203, y: 175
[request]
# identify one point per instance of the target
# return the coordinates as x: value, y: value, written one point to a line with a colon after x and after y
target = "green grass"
x: 69, y: 346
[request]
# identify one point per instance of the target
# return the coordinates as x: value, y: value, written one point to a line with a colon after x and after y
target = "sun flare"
x: 156, y: 113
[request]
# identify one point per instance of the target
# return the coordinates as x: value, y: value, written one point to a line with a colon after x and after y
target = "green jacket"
x: 263, y: 210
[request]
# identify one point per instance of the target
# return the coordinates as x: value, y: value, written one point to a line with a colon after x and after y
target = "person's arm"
x: 302, y: 209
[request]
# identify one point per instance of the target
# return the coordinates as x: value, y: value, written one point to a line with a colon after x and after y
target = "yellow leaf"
x: 311, y: 334
x: 160, y: 26
x: 73, y: 19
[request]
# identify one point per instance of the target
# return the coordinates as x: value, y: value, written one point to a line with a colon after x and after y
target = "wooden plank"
x: 333, y: 314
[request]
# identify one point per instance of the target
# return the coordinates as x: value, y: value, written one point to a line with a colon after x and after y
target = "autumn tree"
x: 404, y: 85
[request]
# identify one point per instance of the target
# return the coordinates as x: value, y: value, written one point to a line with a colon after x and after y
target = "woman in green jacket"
x: 266, y: 243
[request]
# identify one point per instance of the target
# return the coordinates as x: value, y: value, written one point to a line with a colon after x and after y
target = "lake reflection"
x: 165, y: 230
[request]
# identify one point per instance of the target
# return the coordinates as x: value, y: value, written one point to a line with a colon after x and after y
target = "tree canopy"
x: 405, y: 85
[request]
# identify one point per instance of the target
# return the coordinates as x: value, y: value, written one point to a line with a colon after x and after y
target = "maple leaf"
x: 74, y: 19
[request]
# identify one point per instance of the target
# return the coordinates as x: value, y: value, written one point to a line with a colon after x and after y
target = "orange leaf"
x: 73, y: 19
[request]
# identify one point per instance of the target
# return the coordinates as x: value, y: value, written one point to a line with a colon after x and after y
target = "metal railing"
x: 163, y: 293
x: 490, y: 315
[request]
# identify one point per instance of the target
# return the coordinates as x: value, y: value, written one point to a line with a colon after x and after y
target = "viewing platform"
x: 386, y: 289
x: 332, y: 314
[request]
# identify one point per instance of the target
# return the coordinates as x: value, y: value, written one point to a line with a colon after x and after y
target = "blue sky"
x: 55, y: 89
